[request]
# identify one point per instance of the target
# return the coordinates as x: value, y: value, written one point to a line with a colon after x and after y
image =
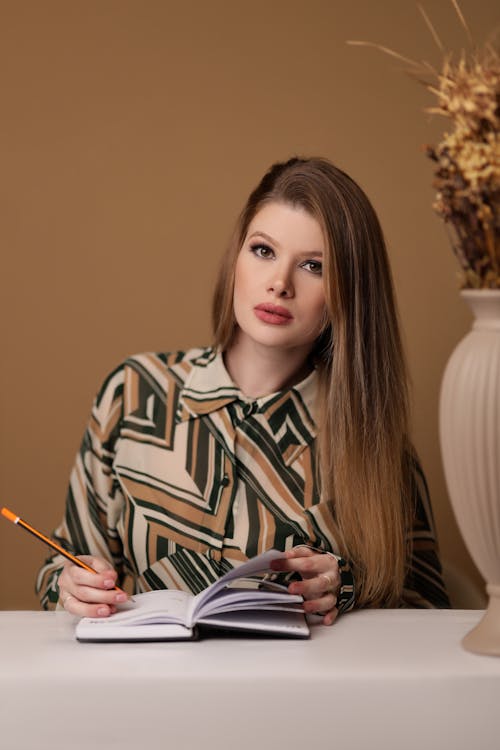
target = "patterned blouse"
x: 180, y: 477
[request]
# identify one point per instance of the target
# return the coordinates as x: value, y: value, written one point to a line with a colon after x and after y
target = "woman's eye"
x: 313, y: 266
x: 262, y: 251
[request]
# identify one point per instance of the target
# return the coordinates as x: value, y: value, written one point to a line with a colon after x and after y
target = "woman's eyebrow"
x: 311, y: 254
x: 263, y: 234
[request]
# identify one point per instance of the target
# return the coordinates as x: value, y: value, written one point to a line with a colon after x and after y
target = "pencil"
x: 10, y: 516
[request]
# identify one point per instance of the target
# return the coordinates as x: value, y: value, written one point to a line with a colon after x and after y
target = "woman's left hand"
x: 320, y: 582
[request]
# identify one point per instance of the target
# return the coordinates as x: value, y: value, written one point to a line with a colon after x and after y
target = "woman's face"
x: 279, y: 298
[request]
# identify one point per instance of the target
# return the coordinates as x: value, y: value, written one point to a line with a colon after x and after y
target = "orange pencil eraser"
x: 9, y: 514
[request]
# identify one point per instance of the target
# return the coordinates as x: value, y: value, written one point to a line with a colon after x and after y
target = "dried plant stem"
x: 431, y: 28
x: 462, y: 20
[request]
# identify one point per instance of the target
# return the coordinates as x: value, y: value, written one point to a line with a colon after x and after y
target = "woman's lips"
x: 273, y: 314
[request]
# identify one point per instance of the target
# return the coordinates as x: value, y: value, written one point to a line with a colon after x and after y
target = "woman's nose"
x: 281, y: 285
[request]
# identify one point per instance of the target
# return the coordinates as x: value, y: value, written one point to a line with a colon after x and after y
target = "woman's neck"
x: 261, y: 370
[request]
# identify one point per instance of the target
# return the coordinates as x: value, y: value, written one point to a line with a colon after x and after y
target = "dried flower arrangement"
x: 467, y: 159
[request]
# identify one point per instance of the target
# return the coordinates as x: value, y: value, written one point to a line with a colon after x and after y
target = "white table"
x: 392, y: 679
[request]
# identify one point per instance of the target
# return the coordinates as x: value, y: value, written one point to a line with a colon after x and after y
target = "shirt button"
x: 225, y: 481
x: 215, y: 554
x: 249, y: 409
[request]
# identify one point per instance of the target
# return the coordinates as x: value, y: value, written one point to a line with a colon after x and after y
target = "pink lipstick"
x: 274, y: 314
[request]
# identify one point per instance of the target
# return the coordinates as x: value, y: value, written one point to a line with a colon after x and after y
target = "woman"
x: 291, y: 432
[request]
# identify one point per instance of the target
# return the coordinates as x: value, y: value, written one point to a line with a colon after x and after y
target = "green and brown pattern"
x: 180, y: 478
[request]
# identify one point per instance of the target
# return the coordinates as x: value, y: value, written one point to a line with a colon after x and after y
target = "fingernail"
x: 102, y: 611
x: 121, y: 598
x: 109, y: 583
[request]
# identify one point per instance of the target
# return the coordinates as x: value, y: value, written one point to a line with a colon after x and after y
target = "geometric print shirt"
x: 180, y: 477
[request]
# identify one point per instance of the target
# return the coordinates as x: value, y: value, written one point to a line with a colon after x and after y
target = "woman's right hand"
x: 90, y: 594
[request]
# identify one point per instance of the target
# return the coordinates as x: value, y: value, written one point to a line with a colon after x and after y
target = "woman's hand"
x: 90, y: 594
x: 320, y: 580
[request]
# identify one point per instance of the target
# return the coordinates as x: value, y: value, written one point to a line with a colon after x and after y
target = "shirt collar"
x: 209, y: 387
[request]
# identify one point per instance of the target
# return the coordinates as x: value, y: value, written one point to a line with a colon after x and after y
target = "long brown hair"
x: 364, y: 458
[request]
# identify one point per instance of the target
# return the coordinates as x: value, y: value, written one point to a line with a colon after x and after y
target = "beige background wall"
x: 131, y: 133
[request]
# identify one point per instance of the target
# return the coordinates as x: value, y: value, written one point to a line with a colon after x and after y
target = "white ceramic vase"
x: 469, y: 424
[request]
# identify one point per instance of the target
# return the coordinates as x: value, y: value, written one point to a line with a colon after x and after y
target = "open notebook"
x: 235, y: 602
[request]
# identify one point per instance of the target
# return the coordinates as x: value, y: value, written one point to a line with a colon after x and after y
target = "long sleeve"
x: 424, y: 586
x: 94, y: 501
